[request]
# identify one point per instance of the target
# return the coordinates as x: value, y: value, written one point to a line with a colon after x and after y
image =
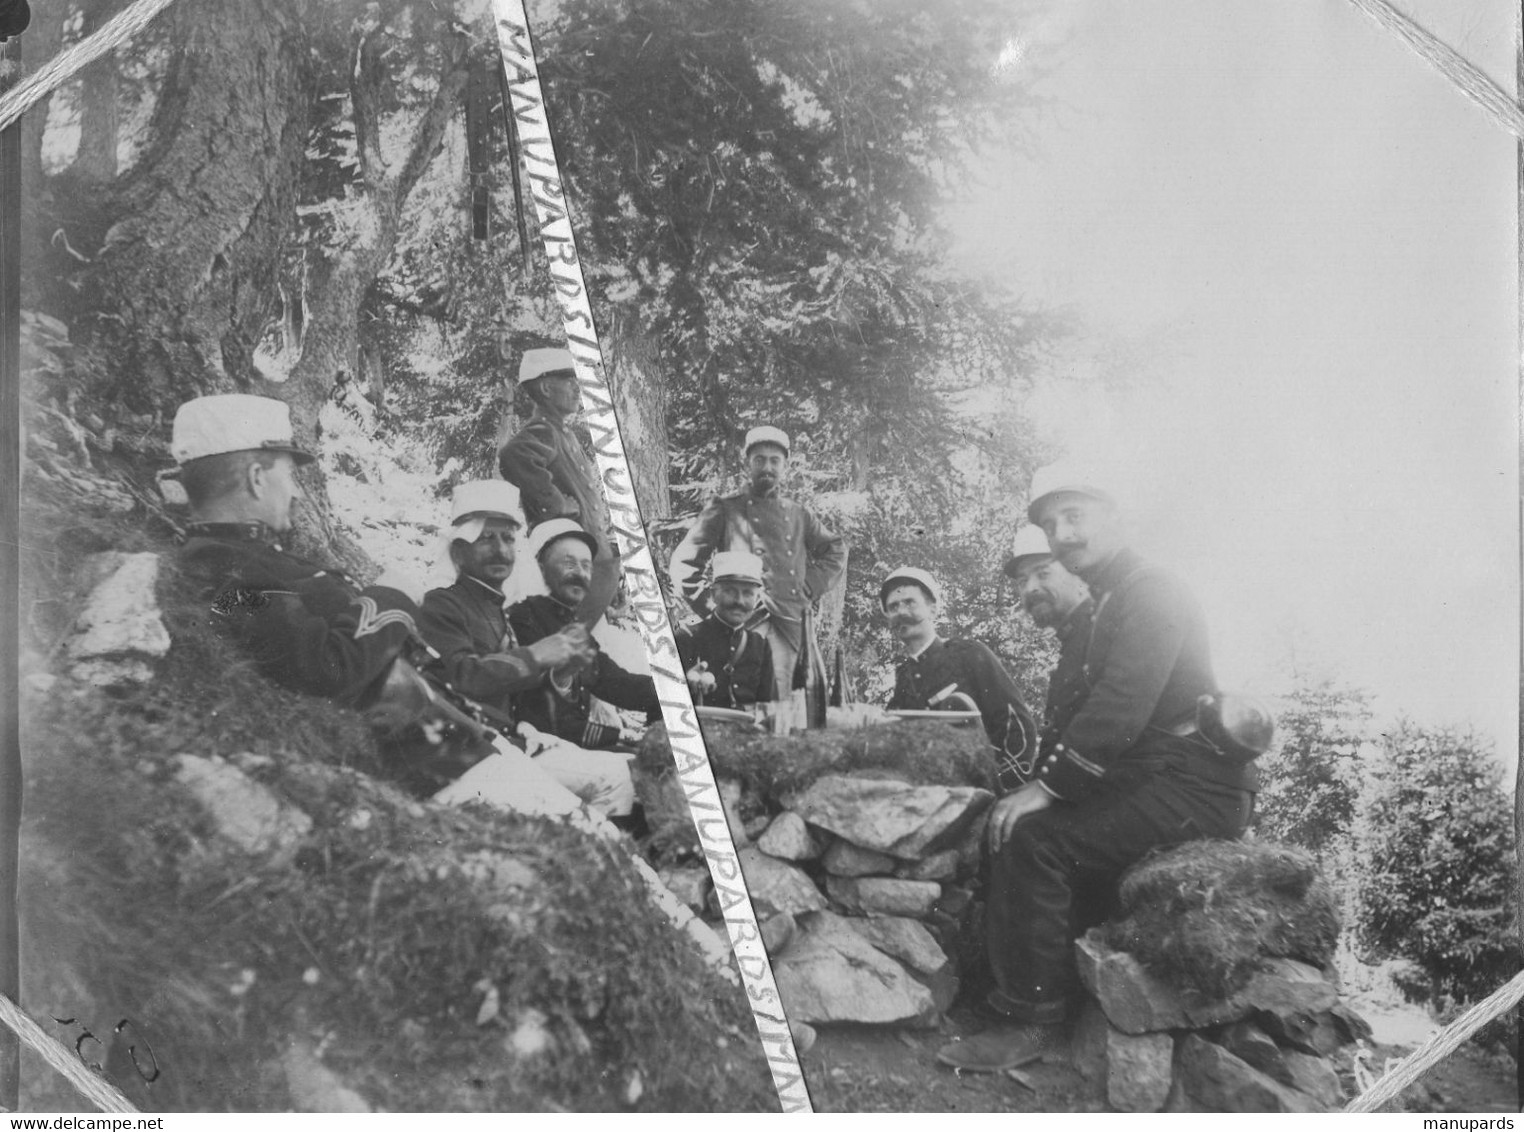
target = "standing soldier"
x: 545, y: 460
x: 801, y: 557
x: 1124, y: 768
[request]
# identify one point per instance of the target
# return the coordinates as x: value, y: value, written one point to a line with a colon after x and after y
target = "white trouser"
x: 555, y: 781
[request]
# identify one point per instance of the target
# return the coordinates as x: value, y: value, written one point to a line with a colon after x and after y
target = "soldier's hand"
x: 1004, y: 815
x: 571, y: 648
x: 700, y: 679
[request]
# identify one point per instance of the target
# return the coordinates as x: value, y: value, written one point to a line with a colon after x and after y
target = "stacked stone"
x: 876, y: 874
x: 1267, y: 1047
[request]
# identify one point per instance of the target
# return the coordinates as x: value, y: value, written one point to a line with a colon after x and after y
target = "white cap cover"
x: 480, y: 498
x: 736, y: 566
x: 910, y: 575
x: 552, y: 529
x: 1060, y: 477
x: 1030, y: 542
x: 546, y: 359
x: 766, y: 434
x: 233, y: 422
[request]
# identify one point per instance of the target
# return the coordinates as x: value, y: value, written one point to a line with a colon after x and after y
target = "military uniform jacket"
x: 1144, y: 662
x: 1067, y: 680
x: 740, y: 678
x: 566, y: 713
x: 801, y: 557
x: 554, y: 474
x: 308, y: 628
x: 976, y: 672
x: 467, y: 625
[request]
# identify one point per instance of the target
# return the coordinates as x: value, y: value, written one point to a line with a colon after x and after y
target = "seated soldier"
x: 727, y: 664
x: 309, y: 627
x: 935, y: 671
x: 1126, y: 767
x: 561, y: 702
x: 466, y: 623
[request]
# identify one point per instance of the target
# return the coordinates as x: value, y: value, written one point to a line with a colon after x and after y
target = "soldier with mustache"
x: 801, y: 557
x: 487, y: 660
x: 561, y: 702
x: 728, y: 664
x: 936, y: 671
x: 1126, y: 766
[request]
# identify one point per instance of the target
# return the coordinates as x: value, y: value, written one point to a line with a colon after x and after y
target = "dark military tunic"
x: 1130, y: 778
x: 1144, y: 663
x: 468, y: 626
x: 740, y: 660
x: 801, y: 557
x: 971, y: 668
x: 554, y: 474
x: 316, y: 630
x: 307, y: 627
x: 563, y: 711
x: 1067, y: 680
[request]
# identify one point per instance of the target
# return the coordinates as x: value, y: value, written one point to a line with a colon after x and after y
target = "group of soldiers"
x: 1134, y: 751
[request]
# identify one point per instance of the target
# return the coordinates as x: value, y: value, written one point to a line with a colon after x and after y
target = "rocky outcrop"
x: 831, y: 973
x: 243, y: 812
x: 120, y: 632
x: 1153, y: 1038
x: 889, y: 816
x: 871, y: 842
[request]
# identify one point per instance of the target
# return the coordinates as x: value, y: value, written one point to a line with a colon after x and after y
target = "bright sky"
x: 1322, y: 230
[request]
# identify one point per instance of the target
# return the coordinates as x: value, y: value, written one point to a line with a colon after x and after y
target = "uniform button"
x: 1044, y: 770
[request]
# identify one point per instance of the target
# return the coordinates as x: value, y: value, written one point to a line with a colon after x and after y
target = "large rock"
x: 313, y: 1086
x: 904, y: 821
x: 843, y: 859
x: 777, y: 886
x: 1316, y: 1078
x: 1319, y: 1032
x: 907, y: 940
x: 1204, y: 914
x: 1284, y: 987
x: 883, y: 895
x: 120, y: 628
x: 244, y: 812
x: 775, y: 765
x: 830, y: 973
x: 689, y: 883
x: 942, y: 865
x: 1138, y: 1001
x: 1252, y: 1045
x: 789, y: 839
x: 1220, y: 1082
x: 1135, y: 1070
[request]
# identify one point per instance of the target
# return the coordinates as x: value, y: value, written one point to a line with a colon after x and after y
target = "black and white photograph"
x: 1078, y: 445
x: 1093, y: 471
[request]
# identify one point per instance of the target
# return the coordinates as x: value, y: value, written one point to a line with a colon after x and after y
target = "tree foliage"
x: 1311, y: 780
x: 1435, y: 863
x: 760, y: 185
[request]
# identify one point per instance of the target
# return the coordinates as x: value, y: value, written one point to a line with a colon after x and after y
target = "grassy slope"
x: 371, y: 947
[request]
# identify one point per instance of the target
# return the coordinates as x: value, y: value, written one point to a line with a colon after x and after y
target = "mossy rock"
x: 919, y: 753
x: 1202, y: 915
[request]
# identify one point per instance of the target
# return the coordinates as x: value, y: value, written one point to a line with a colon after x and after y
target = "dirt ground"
x: 888, y: 1069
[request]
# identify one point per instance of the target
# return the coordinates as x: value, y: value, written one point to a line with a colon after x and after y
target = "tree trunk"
x: 639, y: 390
x: 96, y: 158
x: 184, y: 248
